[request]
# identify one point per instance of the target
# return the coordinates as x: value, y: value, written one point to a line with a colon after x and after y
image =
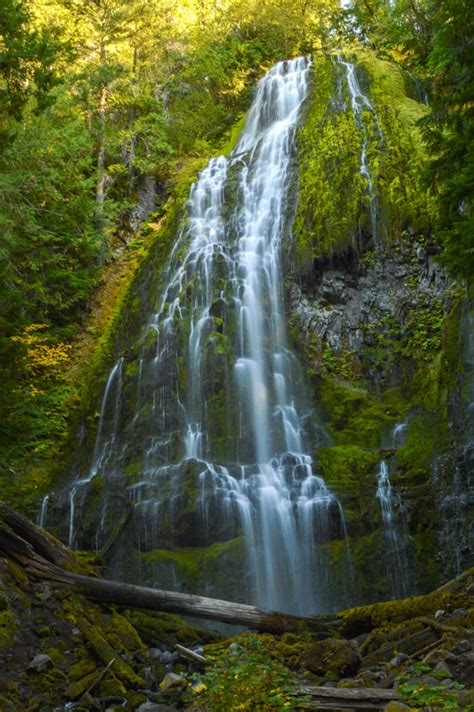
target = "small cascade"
x: 361, y: 105
x: 399, y: 435
x: 395, y: 537
x: 107, y: 432
x: 216, y: 447
x: 43, y: 511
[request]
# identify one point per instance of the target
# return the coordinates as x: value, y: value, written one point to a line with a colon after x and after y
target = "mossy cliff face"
x: 359, y: 159
x: 383, y: 337
x: 384, y: 334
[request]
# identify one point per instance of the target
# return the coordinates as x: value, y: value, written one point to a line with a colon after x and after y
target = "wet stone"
x: 167, y: 657
x: 442, y: 667
x: 461, y: 647
x: 398, y: 659
x: 154, y: 653
x: 429, y: 680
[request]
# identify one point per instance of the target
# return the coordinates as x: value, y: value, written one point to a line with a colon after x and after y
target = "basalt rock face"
x: 284, y: 419
x: 386, y: 335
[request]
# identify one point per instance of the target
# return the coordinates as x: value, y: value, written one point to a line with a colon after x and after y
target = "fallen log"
x: 42, y: 556
x: 194, y: 657
x: 335, y: 698
x: 130, y: 596
x: 23, y: 541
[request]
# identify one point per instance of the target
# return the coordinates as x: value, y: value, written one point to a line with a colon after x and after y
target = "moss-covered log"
x: 42, y: 556
x: 129, y: 595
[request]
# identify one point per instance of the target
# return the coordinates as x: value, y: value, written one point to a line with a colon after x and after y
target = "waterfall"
x: 107, y: 432
x: 43, y: 511
x: 395, y: 536
x: 220, y: 437
x: 360, y: 104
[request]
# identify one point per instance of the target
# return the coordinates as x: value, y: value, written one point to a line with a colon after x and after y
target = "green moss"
x: 347, y: 467
x: 126, y: 633
x: 365, y: 618
x: 19, y: 576
x: 101, y: 648
x: 356, y: 414
x: 234, y: 135
x: 333, y: 211
x: 168, y: 629
x: 8, y: 626
x: 81, y: 669
x: 330, y: 188
x: 78, y: 687
x: 332, y: 657
x: 388, y: 86
x: 110, y: 687
x: 194, y: 565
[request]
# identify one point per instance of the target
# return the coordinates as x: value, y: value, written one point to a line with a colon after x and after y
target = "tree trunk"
x: 100, y: 189
x: 129, y: 595
x: 44, y: 557
x: 349, y: 699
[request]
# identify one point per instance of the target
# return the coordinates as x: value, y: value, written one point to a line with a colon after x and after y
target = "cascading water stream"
x: 219, y: 393
x: 105, y: 439
x: 360, y: 104
x: 394, y: 531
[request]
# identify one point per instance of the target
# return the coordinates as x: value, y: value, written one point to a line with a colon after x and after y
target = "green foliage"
x: 419, y: 694
x: 247, y: 679
x: 449, y: 131
x: 49, y: 245
x: 432, y: 39
x: 49, y: 259
x: 27, y: 58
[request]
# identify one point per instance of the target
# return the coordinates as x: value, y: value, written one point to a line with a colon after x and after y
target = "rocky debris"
x: 334, y: 656
x: 59, y: 650
x: 63, y: 650
x: 171, y: 679
x: 153, y: 707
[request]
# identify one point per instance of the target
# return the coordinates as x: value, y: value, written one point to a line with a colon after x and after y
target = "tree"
x: 449, y: 131
x: 26, y: 62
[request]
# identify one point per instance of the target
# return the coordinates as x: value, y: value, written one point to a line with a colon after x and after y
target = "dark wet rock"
x: 154, y: 653
x: 398, y: 659
x: 429, y: 680
x: 168, y: 657
x: 463, y: 646
x: 149, y: 676
x: 155, y: 707
x: 442, y: 667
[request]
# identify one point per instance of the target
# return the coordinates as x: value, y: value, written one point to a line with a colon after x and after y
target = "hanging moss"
x: 333, y: 209
x: 218, y: 567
